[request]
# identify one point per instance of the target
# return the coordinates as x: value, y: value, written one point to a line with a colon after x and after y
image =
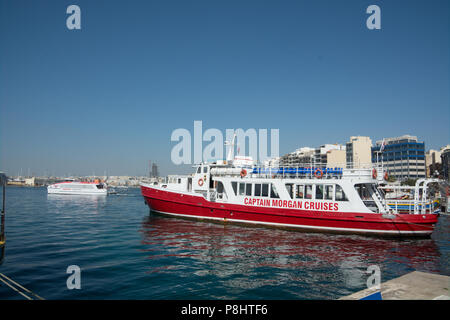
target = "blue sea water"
x: 124, y: 252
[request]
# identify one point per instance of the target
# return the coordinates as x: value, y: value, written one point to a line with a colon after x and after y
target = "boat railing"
x: 419, y: 200
x: 408, y: 206
x: 217, y: 196
x: 297, y: 172
x: 313, y: 171
x: 212, y: 196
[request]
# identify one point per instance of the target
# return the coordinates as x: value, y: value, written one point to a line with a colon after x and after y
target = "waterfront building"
x: 336, y: 158
x: 403, y: 157
x: 358, y: 152
x: 129, y: 181
x: 154, y: 172
x: 16, y: 182
x: 298, y: 158
x: 273, y: 162
x: 432, y: 161
x: 329, y: 155
x: 30, y: 181
x: 445, y: 160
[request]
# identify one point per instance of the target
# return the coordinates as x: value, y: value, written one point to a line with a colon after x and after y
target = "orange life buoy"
x: 318, y: 173
x: 243, y: 173
x: 374, y: 173
x: 386, y: 176
x: 200, y: 182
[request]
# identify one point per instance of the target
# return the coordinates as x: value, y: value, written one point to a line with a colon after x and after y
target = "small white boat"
x: 78, y: 187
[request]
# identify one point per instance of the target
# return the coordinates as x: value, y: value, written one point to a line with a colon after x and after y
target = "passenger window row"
x: 255, y: 189
x: 322, y: 191
x: 296, y: 191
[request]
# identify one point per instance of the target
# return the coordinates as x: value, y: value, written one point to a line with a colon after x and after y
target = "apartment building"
x: 403, y: 157
x: 359, y: 152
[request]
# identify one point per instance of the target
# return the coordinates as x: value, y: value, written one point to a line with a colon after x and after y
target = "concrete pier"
x: 412, y: 286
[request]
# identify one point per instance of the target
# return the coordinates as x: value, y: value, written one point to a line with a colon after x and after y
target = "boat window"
x: 205, y: 169
x: 273, y: 192
x: 290, y: 190
x: 308, y: 191
x: 241, y: 189
x: 340, y: 195
x: 329, y: 192
x: 99, y: 186
x: 300, y: 191
x: 363, y: 191
x: 258, y: 190
x: 220, y: 188
x: 179, y: 180
x: 319, y: 191
x: 248, y: 189
x: 234, y: 185
x: 199, y: 169
x: 265, y: 190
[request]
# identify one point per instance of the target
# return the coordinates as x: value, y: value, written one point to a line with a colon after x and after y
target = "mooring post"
x: 2, y: 217
x: 2, y: 213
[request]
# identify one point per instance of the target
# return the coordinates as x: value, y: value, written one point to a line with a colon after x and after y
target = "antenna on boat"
x: 231, y: 150
x: 383, y: 144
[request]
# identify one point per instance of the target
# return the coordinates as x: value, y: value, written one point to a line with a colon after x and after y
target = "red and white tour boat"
x: 309, y: 198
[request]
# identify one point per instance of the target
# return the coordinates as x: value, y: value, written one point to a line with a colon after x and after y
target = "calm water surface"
x: 126, y: 253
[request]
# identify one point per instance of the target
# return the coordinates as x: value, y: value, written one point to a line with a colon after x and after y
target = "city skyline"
x: 152, y: 167
x: 107, y: 97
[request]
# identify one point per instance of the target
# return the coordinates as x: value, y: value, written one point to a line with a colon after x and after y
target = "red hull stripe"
x: 355, y: 230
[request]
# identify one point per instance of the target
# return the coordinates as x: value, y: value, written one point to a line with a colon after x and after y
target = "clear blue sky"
x: 107, y: 97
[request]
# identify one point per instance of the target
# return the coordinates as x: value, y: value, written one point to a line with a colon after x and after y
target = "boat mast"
x: 231, y: 148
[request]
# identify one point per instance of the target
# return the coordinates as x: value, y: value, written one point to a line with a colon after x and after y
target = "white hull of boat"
x: 85, y: 192
x: 80, y: 188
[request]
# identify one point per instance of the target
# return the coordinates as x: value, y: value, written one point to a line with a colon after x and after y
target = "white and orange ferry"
x: 311, y: 198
